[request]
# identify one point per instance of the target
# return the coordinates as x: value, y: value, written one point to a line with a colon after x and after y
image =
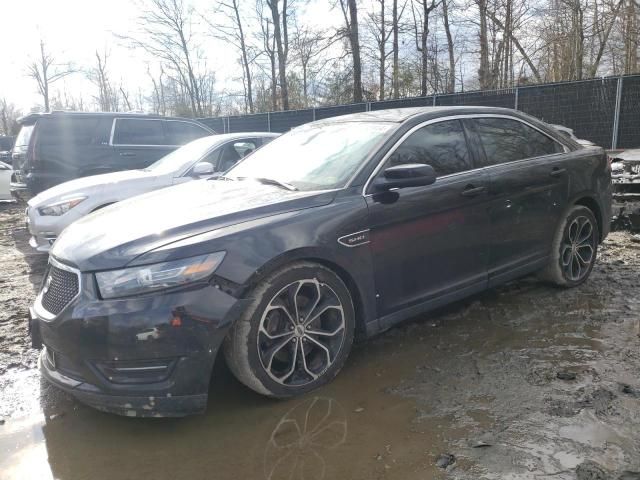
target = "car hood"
x: 114, y: 236
x: 89, y: 185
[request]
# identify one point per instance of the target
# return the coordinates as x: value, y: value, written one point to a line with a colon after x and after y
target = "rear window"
x: 76, y: 131
x: 179, y: 133
x: 505, y: 140
x: 133, y: 131
x: 22, y: 140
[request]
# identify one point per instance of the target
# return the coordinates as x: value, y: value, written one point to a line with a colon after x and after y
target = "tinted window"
x: 442, y: 145
x: 22, y: 140
x: 66, y: 131
x: 179, y: 133
x: 507, y: 140
x: 130, y: 131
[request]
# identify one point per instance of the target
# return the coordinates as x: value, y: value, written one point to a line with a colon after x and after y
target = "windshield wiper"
x: 273, y: 181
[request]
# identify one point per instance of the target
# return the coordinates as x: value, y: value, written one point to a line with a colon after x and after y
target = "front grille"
x: 60, y: 287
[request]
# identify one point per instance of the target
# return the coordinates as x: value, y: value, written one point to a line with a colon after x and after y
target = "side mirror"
x: 406, y: 175
x: 202, y: 168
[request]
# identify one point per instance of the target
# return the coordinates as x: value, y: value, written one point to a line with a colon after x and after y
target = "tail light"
x: 31, y: 158
x: 609, y: 162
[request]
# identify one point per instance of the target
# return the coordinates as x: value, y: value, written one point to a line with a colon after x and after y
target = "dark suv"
x: 338, y: 228
x: 52, y: 148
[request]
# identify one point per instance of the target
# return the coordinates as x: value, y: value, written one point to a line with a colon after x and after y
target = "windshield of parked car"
x: 182, y: 158
x: 315, y: 157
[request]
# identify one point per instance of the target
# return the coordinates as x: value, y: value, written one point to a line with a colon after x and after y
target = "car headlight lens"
x: 60, y: 208
x: 148, y: 278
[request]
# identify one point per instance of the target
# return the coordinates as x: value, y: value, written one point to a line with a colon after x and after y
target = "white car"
x: 53, y: 210
x: 5, y: 180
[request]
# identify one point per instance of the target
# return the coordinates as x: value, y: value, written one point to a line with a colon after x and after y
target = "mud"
x: 522, y: 382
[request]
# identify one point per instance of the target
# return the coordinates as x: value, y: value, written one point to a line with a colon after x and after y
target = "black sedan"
x: 338, y: 229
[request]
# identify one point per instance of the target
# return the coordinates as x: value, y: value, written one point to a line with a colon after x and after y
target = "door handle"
x: 556, y: 172
x: 471, y: 191
x: 127, y: 154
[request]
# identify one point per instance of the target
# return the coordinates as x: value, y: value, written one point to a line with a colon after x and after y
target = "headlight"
x: 60, y: 208
x: 148, y: 278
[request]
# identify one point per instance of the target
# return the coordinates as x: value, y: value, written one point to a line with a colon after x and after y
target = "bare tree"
x: 280, y: 32
x: 396, y: 17
x: 8, y: 118
x: 350, y: 13
x: 166, y: 33
x: 307, y: 45
x: 45, y: 71
x: 107, y: 97
x: 421, y: 28
x: 232, y: 29
x: 378, y: 25
x: 451, y: 84
x: 268, y: 43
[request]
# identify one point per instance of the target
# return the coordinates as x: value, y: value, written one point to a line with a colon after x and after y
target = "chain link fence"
x: 603, y: 110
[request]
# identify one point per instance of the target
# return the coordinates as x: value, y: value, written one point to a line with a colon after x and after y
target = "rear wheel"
x: 295, y: 335
x: 574, y: 248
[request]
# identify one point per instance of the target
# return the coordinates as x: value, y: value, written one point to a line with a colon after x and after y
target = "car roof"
x: 231, y: 136
x: 32, y: 117
x: 399, y: 115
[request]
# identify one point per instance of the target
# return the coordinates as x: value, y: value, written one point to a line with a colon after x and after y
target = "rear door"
x: 528, y: 192
x: 138, y: 142
x: 430, y: 242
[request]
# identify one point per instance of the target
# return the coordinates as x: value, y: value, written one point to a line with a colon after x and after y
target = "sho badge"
x: 355, y: 239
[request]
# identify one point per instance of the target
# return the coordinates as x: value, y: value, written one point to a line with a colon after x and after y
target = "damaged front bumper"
x: 149, y: 356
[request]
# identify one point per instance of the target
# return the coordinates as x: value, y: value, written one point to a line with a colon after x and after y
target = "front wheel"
x: 295, y: 335
x: 574, y: 248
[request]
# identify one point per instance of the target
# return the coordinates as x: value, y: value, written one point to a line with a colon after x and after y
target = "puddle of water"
x: 349, y: 429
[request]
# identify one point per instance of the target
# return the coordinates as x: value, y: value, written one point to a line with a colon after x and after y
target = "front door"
x: 430, y: 242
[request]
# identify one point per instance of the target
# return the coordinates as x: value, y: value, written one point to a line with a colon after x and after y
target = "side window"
x: 233, y: 152
x: 179, y: 133
x: 506, y: 140
x: 134, y: 131
x: 65, y: 131
x: 442, y: 145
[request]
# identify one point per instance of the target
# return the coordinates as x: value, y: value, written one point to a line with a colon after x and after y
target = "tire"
x: 568, y: 265
x: 274, y: 355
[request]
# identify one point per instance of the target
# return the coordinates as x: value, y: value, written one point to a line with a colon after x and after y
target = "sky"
x: 74, y: 29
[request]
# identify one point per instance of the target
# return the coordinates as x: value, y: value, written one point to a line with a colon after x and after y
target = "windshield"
x: 317, y: 157
x: 183, y: 157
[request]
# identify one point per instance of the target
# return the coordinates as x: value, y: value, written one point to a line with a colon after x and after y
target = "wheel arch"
x: 592, y: 204
x: 317, y: 256
x: 100, y: 207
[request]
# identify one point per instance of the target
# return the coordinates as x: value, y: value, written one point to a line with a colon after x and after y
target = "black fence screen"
x: 592, y: 108
x: 586, y: 107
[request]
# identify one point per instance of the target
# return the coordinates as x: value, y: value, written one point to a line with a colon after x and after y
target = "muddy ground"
x: 522, y: 382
